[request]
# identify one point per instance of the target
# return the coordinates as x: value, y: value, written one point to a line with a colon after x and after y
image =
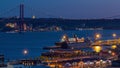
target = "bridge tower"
x: 22, y: 25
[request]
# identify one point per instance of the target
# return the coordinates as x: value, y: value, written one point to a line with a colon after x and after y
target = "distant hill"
x: 66, y: 24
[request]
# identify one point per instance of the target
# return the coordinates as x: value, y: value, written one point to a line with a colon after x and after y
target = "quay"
x: 73, y: 51
x: 26, y: 63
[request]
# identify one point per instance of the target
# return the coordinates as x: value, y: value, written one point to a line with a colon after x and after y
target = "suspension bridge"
x: 18, y: 13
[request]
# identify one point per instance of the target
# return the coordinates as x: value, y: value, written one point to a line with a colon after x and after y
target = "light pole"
x: 25, y: 52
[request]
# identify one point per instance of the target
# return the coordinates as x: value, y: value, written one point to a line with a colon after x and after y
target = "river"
x: 12, y: 45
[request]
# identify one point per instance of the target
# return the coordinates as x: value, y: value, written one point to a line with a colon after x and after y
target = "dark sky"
x: 62, y: 8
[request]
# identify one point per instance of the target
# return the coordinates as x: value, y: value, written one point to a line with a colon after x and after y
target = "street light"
x: 97, y: 36
x: 114, y: 35
x: 25, y: 52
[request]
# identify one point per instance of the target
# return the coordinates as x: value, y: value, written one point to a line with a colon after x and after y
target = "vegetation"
x: 66, y: 24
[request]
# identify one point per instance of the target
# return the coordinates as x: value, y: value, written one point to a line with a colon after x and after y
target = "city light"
x: 33, y: 17
x: 11, y: 25
x: 110, y: 52
x: 97, y: 36
x: 114, y: 35
x: 64, y: 38
x: 97, y: 49
x: 25, y: 52
x: 113, y: 54
x: 113, y: 46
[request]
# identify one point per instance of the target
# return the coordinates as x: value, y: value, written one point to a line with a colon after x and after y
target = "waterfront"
x: 12, y: 45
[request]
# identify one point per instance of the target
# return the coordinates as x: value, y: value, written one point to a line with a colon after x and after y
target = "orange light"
x: 97, y: 36
x: 64, y: 37
x: 113, y: 54
x: 113, y: 46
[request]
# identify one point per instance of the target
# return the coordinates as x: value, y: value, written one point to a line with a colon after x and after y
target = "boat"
x: 71, y: 43
x: 69, y: 50
x: 74, y: 42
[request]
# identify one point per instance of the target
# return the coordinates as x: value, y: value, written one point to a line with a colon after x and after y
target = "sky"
x: 73, y: 9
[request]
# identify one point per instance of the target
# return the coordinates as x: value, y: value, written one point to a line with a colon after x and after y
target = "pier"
x: 70, y: 51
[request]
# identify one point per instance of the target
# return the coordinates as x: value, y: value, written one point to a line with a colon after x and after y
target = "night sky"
x: 62, y: 8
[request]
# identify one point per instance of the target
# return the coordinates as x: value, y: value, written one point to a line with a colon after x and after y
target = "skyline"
x: 74, y: 9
